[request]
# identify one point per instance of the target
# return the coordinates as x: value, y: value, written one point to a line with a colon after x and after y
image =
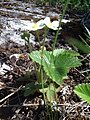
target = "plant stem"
x: 37, y: 32
x: 55, y: 40
x: 41, y: 67
x: 29, y: 45
x: 60, y: 23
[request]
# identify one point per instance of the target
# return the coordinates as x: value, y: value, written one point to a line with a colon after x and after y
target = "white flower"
x: 36, y: 26
x: 27, y: 25
x: 52, y: 25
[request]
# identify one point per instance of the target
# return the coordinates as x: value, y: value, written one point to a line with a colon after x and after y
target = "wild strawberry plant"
x: 52, y: 66
x: 56, y: 65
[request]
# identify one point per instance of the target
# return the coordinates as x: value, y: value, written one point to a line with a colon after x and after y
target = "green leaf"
x: 83, y: 90
x: 32, y: 87
x: 66, y: 60
x: 36, y: 56
x: 81, y: 45
x: 51, y: 94
x: 57, y: 65
x: 56, y: 52
x: 49, y: 67
x: 57, y: 74
x: 61, y: 65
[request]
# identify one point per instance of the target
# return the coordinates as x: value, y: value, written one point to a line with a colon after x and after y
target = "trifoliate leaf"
x: 56, y: 64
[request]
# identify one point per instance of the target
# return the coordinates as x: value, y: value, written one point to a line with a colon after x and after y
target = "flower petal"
x: 52, y: 25
x: 36, y: 26
x: 55, y: 24
x: 40, y: 24
x: 47, y: 21
x: 33, y: 27
x: 65, y: 21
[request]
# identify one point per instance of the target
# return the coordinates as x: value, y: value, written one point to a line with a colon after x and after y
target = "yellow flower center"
x: 35, y: 25
x: 50, y: 24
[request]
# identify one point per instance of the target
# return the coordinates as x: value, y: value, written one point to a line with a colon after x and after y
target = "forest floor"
x: 15, y: 72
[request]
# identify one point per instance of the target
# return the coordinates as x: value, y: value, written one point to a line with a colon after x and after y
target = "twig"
x: 28, y: 105
x: 80, y: 72
x: 10, y: 94
x: 85, y: 57
x: 21, y: 105
x: 84, y: 71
